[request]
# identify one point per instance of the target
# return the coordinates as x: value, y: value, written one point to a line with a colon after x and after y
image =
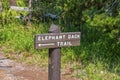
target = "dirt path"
x: 11, y: 70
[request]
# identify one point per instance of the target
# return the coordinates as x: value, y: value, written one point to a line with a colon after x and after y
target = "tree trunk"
x: 13, y: 3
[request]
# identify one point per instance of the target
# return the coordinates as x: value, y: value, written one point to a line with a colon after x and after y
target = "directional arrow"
x: 49, y: 44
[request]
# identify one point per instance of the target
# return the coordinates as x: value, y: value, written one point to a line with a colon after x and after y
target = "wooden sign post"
x: 54, y: 58
x: 54, y: 41
x: 13, y: 2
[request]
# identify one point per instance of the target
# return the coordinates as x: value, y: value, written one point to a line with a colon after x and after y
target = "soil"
x: 12, y: 70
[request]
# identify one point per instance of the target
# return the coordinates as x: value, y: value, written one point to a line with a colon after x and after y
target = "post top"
x: 54, y: 29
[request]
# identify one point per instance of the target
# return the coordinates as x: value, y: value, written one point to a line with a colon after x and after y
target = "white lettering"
x: 55, y: 37
x: 63, y: 36
x: 43, y: 38
x: 73, y: 36
x: 66, y: 43
x: 46, y: 37
x: 50, y: 37
x: 39, y: 38
x: 58, y: 43
x: 60, y: 37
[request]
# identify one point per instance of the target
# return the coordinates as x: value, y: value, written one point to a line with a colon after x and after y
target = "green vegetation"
x: 98, y: 56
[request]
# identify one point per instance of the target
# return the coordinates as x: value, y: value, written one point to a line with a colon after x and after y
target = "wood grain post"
x: 13, y: 3
x: 54, y: 58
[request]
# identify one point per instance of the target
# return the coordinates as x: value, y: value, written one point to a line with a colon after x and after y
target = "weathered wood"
x: 56, y: 45
x: 54, y: 58
x: 13, y: 2
x: 54, y: 64
x: 53, y: 40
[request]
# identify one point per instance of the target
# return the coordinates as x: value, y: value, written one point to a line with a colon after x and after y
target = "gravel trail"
x: 12, y: 70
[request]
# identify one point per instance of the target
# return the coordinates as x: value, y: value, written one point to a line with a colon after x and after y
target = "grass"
x: 91, y: 59
x: 97, y: 58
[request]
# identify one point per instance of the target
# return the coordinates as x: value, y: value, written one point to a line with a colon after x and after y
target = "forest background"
x: 97, y: 57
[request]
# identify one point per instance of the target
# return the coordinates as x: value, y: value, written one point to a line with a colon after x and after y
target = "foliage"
x: 98, y: 20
